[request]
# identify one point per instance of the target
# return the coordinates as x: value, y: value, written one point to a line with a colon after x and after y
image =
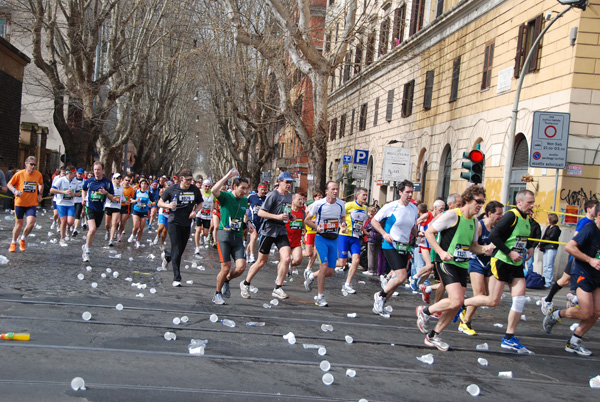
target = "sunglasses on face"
x: 31, y: 164
x: 479, y: 201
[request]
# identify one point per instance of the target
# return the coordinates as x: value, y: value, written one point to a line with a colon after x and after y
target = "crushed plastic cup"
x: 115, y: 256
x: 119, y: 307
x: 115, y: 274
x: 595, y: 382
x: 523, y: 317
x: 196, y: 346
x: 325, y: 365
x: 351, y: 315
x: 94, y: 285
x: 290, y: 337
x: 108, y: 270
x: 170, y: 336
x: 344, y: 293
x: 176, y: 320
x: 483, y: 346
x: 505, y: 374
x: 473, y: 390
x: 190, y: 282
x: 388, y: 309
x: 103, y: 275
x: 152, y: 290
x: 427, y: 359
x: 349, y: 339
x: 214, y: 318
x: 267, y: 305
x: 130, y: 258
x: 326, y: 327
x: 185, y: 319
x: 322, y: 351
x: 77, y: 384
x: 256, y: 324
x: 80, y: 277
x: 498, y: 325
x: 3, y: 260
x: 86, y: 316
x: 88, y: 268
x: 327, y: 379
x: 274, y: 302
x: 350, y: 373
x: 253, y: 289
x: 482, y: 361
x: 140, y: 295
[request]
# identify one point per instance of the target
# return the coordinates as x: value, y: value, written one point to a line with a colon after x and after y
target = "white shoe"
x: 176, y: 284
x: 279, y: 293
x: 130, y: 240
x: 53, y: 225
x: 62, y: 243
x: 244, y: 290
x: 348, y: 288
x: 85, y: 256
x: 197, y: 251
x: 106, y: 236
x: 137, y: 244
x: 164, y: 262
x: 155, y: 242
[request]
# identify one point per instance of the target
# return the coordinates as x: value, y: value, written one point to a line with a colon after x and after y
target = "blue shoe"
x: 514, y: 344
x: 413, y: 283
x: 457, y: 316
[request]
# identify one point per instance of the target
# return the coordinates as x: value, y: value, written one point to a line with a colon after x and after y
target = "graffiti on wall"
x: 578, y: 197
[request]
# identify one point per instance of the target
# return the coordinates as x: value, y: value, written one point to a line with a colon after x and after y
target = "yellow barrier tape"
x: 6, y: 196
x: 547, y: 241
x: 551, y: 212
x: 142, y: 273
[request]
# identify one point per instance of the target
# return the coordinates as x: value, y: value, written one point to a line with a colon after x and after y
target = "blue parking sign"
x: 361, y: 157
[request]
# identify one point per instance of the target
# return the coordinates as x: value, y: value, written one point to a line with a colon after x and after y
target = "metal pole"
x: 555, y: 191
x: 515, y: 111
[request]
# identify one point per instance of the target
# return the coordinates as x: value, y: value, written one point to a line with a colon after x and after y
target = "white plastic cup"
x: 115, y: 274
x: 94, y: 285
x: 77, y: 384
x: 176, y: 320
x: 388, y: 309
x: 327, y: 379
x: 350, y: 373
x: 185, y: 319
x: 505, y: 374
x: 86, y: 315
x: 482, y: 361
x: 80, y: 277
x: 322, y: 351
x: 349, y: 339
x: 108, y: 270
x: 170, y: 336
x: 189, y: 282
x: 152, y: 290
x: 427, y: 359
x: 325, y: 365
x: 473, y: 390
x: 88, y: 268
x: 214, y: 318
x: 274, y: 302
x: 103, y: 275
x: 351, y: 315
x: 483, y: 346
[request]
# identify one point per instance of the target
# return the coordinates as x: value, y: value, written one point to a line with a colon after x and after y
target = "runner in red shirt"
x: 295, y: 229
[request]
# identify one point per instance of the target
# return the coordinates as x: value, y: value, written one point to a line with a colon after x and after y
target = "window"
x: 358, y: 57
x: 527, y: 35
x: 439, y: 9
x: 352, y: 122
x: 332, y: 129
x: 455, y: 76
x: 384, y: 36
x: 376, y: 112
x: 327, y: 42
x: 488, y: 61
x: 446, y: 173
x: 416, y: 17
x: 333, y: 80
x: 3, y: 28
x: 343, y: 125
x: 370, y: 49
x: 331, y: 2
x: 348, y: 66
x: 362, y: 122
x: 428, y: 89
x: 398, y: 31
x: 390, y: 106
x: 407, y: 98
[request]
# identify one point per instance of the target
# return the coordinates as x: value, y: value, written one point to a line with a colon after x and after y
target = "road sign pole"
x: 555, y: 192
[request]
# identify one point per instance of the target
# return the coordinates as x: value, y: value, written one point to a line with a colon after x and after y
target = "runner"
x: 229, y: 239
x: 295, y: 228
x: 349, y: 243
x: 309, y: 237
x: 329, y: 216
x: 276, y: 212
x: 95, y: 191
x: 112, y: 210
x: 128, y: 195
x: 65, y: 189
x: 204, y: 220
x: 163, y: 224
x: 255, y: 201
x: 479, y: 265
x: 512, y: 247
x: 27, y: 186
x: 565, y: 279
x: 155, y: 191
x: 400, y: 225
x: 141, y: 204
x: 55, y: 217
x: 77, y: 199
x: 585, y: 248
x: 184, y: 201
x: 458, y: 237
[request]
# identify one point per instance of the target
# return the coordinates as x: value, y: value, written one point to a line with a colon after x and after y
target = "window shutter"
x: 428, y: 89
x: 440, y: 8
x: 519, y: 55
x: 414, y: 15
x: 390, y: 106
x: 455, y: 78
x: 536, y: 53
x: 352, y: 122
x: 376, y: 112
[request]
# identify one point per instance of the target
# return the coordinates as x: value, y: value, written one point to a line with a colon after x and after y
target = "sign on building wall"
x: 359, y: 167
x: 549, y: 140
x: 396, y: 164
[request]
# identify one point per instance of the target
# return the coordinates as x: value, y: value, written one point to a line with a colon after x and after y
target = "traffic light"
x: 474, y: 166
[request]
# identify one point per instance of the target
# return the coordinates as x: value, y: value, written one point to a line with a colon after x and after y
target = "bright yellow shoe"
x: 463, y: 314
x: 465, y: 329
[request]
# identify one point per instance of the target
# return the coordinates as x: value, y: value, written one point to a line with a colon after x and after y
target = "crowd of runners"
x: 462, y: 239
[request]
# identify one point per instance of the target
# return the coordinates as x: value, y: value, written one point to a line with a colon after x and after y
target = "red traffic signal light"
x: 474, y: 166
x: 476, y: 156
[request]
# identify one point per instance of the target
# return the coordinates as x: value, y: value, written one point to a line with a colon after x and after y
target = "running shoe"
x: 422, y: 319
x: 244, y: 290
x: 22, y: 245
x: 155, y: 242
x: 84, y: 226
x: 437, y: 342
x: 513, y: 344
x: 572, y: 300
x: 549, y: 321
x: 320, y: 301
x: 414, y: 285
x: 119, y: 238
x: 348, y: 288
x: 218, y: 299
x: 110, y: 243
x: 164, y: 262
x: 577, y: 348
x: 85, y: 256
x: 426, y: 297
x: 378, y: 303
x: 369, y: 273
x: 176, y: 284
x: 250, y: 259
x: 197, y: 251
x: 226, y: 292
x: 106, y: 236
x: 466, y: 329
x: 12, y: 248
x: 546, y: 305
x: 308, y: 279
x: 62, y: 243
x: 75, y: 232
x: 279, y: 293
x: 130, y: 240
x: 137, y: 244
x: 384, y: 281
x: 53, y: 225
x: 462, y: 315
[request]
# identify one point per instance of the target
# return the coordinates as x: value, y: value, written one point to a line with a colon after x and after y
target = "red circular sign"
x: 550, y: 131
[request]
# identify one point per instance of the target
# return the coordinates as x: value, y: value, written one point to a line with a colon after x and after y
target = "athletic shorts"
x: 125, y: 210
x: 110, y: 211
x: 326, y: 251
x: 265, y: 243
x: 95, y: 216
x: 476, y: 267
x: 396, y: 260
x: 140, y: 214
x: 65, y: 210
x: 202, y: 223
x: 230, y: 245
x: 78, y: 209
x: 309, y: 239
x: 450, y: 273
x: 20, y: 212
x: 348, y: 243
x: 163, y: 219
x: 506, y: 272
x: 569, y: 266
x: 583, y: 279
x: 53, y: 204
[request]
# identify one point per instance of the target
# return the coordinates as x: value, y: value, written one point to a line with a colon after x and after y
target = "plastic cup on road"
x: 185, y: 319
x: 349, y: 339
x: 88, y: 268
x: 505, y: 374
x: 350, y: 373
x: 86, y: 315
x: 483, y: 346
x: 351, y: 315
x: 103, y: 275
x: 189, y: 282
x: 388, y: 309
x: 94, y: 285
x: 176, y: 320
x: 327, y: 379
x: 119, y: 307
x: 325, y: 365
x: 214, y: 318
x: 77, y: 384
x: 170, y: 336
x: 80, y: 277
x: 482, y: 361
x: 322, y: 351
x: 274, y: 302
x: 473, y: 390
x: 115, y: 274
x: 152, y: 290
x: 108, y: 270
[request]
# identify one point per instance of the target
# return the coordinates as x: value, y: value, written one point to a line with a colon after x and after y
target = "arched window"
x: 445, y: 174
x: 519, y: 168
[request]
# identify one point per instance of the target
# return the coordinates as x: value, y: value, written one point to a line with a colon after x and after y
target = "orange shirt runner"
x: 29, y: 185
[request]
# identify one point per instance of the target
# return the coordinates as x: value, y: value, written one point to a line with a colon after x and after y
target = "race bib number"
x: 67, y: 197
x: 235, y: 224
x: 205, y: 213
x: 142, y: 205
x: 403, y: 248
x: 116, y: 198
x: 296, y: 224
x: 96, y: 196
x: 185, y: 198
x: 357, y: 228
x: 331, y: 226
x: 461, y: 253
x: 520, y: 244
x: 29, y: 187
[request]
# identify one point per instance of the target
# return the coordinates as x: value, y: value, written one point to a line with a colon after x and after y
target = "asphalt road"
x: 123, y: 356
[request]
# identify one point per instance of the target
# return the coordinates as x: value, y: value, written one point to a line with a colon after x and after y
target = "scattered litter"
x: 523, y: 317
x: 322, y: 351
x: 115, y: 256
x: 80, y: 277
x: 311, y: 346
x: 473, y: 390
x: 228, y: 323
x: 185, y: 319
x: 119, y: 307
x: 325, y: 365
x: 196, y: 346
x: 362, y: 282
x: 253, y: 289
x: 350, y: 373
x: 267, y: 305
x: 595, y: 382
x: 77, y: 384
x: 498, y: 325
x: 170, y: 336
x: 86, y: 316
x: 151, y: 256
x: 349, y: 339
x: 94, y: 285
x: 3, y: 260
x: 389, y: 309
x: 115, y: 274
x: 327, y: 379
x: 176, y: 320
x: 351, y: 315
x: 326, y: 327
x: 130, y: 258
x: 140, y: 295
x: 483, y: 346
x: 88, y: 268
x: 103, y: 275
x: 255, y: 324
x: 482, y: 361
x: 274, y: 302
x: 428, y: 359
x: 214, y: 318
x: 190, y: 282
x: 505, y: 374
x: 290, y: 337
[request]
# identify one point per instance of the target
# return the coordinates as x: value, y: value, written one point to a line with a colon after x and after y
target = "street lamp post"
x: 515, y: 112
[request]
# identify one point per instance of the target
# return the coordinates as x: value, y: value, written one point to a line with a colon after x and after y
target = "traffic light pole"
x: 515, y: 111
